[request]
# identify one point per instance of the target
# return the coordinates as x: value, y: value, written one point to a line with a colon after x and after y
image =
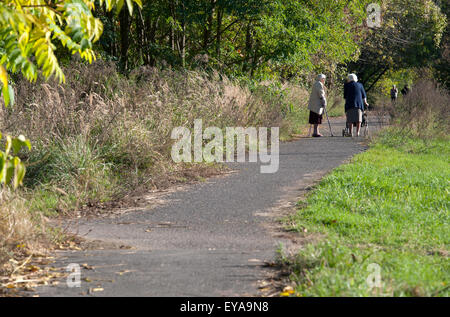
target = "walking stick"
x: 366, y: 130
x: 329, y: 124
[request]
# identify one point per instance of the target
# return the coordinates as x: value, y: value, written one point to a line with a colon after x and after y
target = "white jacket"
x: 317, y: 100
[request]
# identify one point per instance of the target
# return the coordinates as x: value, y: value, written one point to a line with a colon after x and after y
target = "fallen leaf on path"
x: 87, y: 267
x: 33, y: 268
x: 97, y: 289
x: 264, y: 284
x: 288, y: 289
x: 254, y: 260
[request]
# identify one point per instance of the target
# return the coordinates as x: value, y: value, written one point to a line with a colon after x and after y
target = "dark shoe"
x: 317, y: 135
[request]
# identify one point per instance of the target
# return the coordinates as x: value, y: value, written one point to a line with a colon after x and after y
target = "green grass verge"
x: 389, y: 207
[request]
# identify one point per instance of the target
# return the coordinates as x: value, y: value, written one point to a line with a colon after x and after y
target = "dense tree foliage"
x: 442, y: 64
x: 410, y: 36
x: 247, y: 37
x: 30, y: 30
x: 251, y: 38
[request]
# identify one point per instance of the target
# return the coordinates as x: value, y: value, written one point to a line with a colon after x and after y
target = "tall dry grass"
x: 424, y: 112
x: 102, y: 135
x: 18, y: 231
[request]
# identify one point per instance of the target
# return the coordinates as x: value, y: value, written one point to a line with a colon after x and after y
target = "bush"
x: 424, y: 112
x: 17, y: 228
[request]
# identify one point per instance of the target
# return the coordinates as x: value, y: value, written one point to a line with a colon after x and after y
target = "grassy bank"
x: 381, y: 222
x: 390, y: 207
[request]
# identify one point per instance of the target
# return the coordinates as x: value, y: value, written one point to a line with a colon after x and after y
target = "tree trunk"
x: 219, y: 31
x: 378, y: 78
x: 208, y: 25
x: 142, y: 39
x: 248, y: 46
x: 112, y: 47
x: 183, y: 37
x: 172, y: 31
x: 255, y: 59
x: 124, y: 20
x: 152, y: 40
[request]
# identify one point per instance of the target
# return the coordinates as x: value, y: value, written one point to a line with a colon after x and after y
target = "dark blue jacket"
x: 354, y: 95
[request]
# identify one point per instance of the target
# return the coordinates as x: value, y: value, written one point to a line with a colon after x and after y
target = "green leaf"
x: 8, y: 145
x: 11, y: 95
x: 19, y: 172
x: 6, y: 98
x: 2, y: 166
x: 119, y: 6
x: 130, y: 6
x: 85, y: 44
x: 18, y: 143
x: 9, y: 172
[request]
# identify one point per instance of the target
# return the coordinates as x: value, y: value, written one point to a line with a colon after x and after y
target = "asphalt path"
x: 206, y: 239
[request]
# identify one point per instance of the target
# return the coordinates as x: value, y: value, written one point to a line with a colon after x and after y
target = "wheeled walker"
x: 346, y: 132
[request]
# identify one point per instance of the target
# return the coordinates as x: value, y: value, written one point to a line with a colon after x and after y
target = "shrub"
x: 424, y: 112
x: 17, y: 228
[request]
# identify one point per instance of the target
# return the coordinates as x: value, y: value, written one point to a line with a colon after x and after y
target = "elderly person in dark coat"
x: 355, y: 101
x: 316, y: 104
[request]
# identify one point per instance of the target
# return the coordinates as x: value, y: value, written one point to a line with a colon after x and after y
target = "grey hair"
x: 321, y: 76
x: 352, y: 77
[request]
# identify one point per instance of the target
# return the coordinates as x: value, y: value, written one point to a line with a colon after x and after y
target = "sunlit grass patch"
x: 389, y: 206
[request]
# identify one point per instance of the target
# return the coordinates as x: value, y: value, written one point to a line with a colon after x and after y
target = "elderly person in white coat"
x: 317, y: 102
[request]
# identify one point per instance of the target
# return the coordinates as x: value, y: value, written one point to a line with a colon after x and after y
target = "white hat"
x: 352, y: 77
x: 321, y: 76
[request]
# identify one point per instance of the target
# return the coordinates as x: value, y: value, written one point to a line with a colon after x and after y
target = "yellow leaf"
x: 87, y: 267
x: 288, y: 289
x: 3, y: 76
x: 33, y: 268
x: 98, y: 289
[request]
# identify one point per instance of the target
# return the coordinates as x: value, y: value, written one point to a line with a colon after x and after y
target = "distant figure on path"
x: 317, y: 101
x: 405, y: 90
x: 355, y: 101
x: 394, y: 94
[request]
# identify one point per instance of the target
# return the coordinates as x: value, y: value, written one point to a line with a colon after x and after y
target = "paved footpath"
x: 209, y: 239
